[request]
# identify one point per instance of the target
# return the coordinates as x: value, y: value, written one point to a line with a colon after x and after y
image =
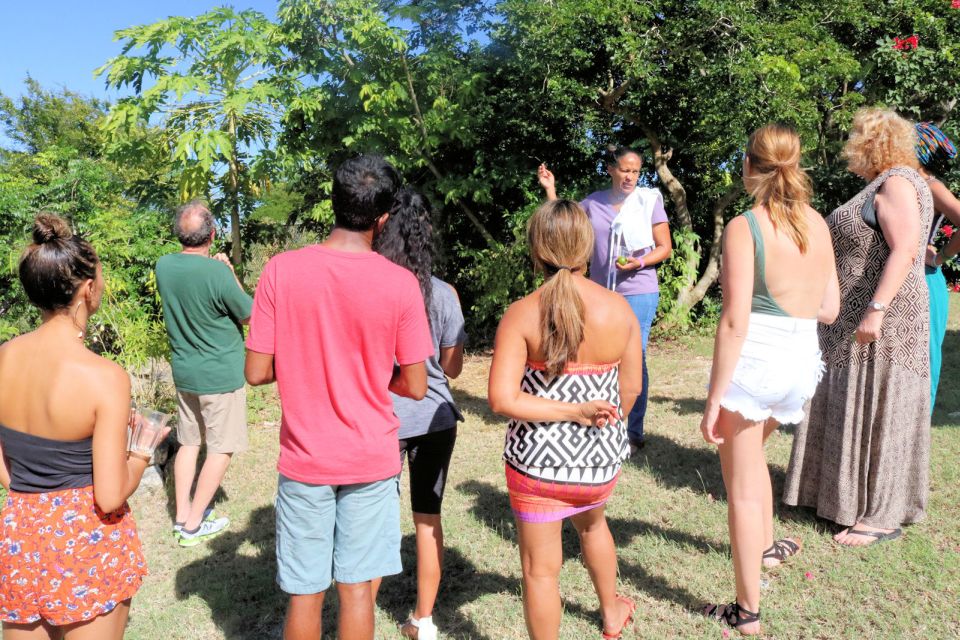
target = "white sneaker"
x: 178, y: 526
x: 421, y: 629
x: 207, y: 530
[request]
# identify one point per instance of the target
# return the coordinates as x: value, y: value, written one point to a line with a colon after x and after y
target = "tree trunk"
x: 234, y: 197
x: 693, y: 295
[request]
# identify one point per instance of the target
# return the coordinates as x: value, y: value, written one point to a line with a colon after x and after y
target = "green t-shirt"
x: 202, y: 309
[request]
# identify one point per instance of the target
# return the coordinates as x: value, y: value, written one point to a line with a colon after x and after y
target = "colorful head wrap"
x: 933, y: 144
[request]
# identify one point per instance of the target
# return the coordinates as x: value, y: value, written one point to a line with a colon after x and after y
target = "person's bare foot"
x: 862, y: 535
x: 617, y: 619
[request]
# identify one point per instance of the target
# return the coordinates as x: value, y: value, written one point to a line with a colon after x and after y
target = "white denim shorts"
x: 778, y: 370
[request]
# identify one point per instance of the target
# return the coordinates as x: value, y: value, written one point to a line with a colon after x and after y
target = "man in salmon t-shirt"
x: 329, y: 322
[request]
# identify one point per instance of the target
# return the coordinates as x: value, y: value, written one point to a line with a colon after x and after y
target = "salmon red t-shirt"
x: 335, y: 321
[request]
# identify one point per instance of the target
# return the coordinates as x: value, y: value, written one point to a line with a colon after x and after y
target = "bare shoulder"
x: 101, y: 372
x: 897, y: 186
x: 737, y: 231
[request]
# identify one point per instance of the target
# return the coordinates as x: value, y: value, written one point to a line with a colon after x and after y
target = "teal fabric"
x: 763, y: 302
x: 939, y: 306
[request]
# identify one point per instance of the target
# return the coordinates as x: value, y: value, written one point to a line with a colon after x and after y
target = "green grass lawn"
x: 668, y: 517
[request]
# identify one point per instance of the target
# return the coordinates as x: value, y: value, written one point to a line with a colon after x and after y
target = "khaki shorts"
x: 220, y: 418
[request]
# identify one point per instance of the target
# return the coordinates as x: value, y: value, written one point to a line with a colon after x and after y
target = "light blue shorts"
x: 350, y: 533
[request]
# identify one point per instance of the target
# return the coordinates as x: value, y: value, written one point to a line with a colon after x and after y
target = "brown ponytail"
x: 777, y: 181
x: 561, y: 241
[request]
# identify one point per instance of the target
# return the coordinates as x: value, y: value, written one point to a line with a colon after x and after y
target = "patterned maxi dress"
x: 863, y: 452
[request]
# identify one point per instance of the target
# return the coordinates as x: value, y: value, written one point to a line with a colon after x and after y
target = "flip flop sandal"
x: 780, y: 550
x: 631, y: 607
x: 733, y: 615
x: 879, y: 536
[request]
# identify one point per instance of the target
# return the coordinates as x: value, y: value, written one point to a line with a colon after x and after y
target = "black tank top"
x: 39, y: 465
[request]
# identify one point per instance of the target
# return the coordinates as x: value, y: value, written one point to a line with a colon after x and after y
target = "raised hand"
x: 547, y: 181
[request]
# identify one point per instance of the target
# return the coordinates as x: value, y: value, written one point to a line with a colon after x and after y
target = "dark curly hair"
x: 407, y: 239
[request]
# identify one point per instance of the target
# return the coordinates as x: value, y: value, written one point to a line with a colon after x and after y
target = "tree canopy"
x: 467, y: 97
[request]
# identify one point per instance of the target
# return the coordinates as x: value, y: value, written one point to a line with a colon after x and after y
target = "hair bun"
x: 49, y: 227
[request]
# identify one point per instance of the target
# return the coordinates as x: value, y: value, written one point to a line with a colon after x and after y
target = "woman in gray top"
x: 428, y: 427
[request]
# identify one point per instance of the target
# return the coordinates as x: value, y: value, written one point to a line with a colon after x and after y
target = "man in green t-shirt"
x: 203, y: 308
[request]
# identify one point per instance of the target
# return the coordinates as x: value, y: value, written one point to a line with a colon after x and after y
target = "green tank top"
x: 762, y: 302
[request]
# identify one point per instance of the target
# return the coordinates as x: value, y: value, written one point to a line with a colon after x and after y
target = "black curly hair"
x: 407, y: 239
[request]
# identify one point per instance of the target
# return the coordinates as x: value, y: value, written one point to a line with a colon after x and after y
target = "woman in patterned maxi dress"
x: 861, y: 457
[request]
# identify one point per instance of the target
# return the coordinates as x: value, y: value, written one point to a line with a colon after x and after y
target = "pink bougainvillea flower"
x: 955, y: 4
x: 726, y: 632
x: 947, y: 229
x: 808, y: 575
x: 956, y: 287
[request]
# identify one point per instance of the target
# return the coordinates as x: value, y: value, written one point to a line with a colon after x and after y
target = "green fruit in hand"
x: 622, y: 261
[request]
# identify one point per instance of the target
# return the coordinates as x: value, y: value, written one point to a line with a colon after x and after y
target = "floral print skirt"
x: 64, y: 560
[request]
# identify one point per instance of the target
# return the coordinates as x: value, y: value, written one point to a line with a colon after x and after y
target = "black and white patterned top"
x: 569, y: 452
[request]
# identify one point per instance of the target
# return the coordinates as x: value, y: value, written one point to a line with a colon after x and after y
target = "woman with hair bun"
x: 862, y: 456
x: 778, y: 279
x: 71, y: 555
x: 428, y: 427
x: 631, y: 237
x: 567, y: 364
x: 934, y: 151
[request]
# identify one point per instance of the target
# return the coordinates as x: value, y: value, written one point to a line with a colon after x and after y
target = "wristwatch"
x: 873, y: 305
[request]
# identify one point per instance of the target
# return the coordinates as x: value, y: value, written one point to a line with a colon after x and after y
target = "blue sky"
x: 61, y: 42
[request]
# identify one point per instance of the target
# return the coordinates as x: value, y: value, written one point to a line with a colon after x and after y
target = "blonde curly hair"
x: 879, y: 140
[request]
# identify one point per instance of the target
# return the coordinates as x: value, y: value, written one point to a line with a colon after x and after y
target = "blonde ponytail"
x: 561, y: 241
x: 777, y: 181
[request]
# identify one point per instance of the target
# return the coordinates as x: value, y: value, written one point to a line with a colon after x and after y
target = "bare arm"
x: 115, y: 474
x: 899, y: 216
x: 506, y: 372
x: 258, y: 368
x: 946, y: 203
x: 409, y: 380
x: 4, y: 472
x: 451, y: 360
x: 547, y: 181
x: 736, y: 279
x: 830, y: 306
x: 662, y: 250
x: 631, y: 365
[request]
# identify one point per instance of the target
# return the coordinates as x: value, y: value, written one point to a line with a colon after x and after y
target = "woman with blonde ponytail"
x: 567, y: 367
x: 779, y: 278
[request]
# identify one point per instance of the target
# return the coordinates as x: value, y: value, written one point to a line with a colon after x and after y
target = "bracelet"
x: 139, y: 456
x: 643, y: 264
x: 940, y: 257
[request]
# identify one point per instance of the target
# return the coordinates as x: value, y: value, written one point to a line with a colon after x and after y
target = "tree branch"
x: 427, y: 155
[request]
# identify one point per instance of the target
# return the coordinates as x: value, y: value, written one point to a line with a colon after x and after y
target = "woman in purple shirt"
x: 631, y: 271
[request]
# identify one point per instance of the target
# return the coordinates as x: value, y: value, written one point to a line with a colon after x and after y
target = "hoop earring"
x: 74, y: 320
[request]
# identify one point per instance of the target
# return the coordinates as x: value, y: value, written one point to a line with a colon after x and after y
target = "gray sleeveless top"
x: 40, y: 465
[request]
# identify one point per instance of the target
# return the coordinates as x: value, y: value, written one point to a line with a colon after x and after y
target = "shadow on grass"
x: 492, y: 507
x: 680, y: 406
x: 477, y: 405
x: 237, y: 581
x: 678, y: 466
x: 462, y: 583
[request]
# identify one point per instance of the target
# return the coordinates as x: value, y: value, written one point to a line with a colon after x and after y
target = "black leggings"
x: 429, y: 457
